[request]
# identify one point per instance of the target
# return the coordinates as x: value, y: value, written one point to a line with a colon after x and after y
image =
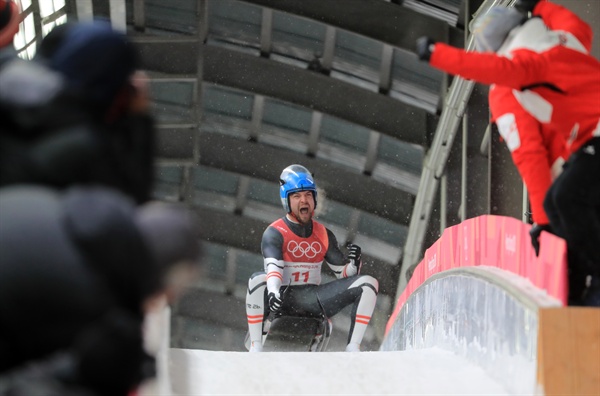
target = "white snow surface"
x: 415, y: 372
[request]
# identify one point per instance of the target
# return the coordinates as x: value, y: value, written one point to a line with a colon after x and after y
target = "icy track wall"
x: 477, y: 293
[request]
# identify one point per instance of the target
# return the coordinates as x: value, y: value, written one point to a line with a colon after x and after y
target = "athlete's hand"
x: 354, y: 255
x: 275, y: 301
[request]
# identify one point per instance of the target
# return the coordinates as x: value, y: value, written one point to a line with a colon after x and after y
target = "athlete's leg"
x: 256, y: 308
x: 359, y: 290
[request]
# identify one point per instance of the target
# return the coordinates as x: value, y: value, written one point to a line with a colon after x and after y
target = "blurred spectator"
x: 81, y: 260
x: 77, y: 114
x: 76, y: 270
x: 554, y: 78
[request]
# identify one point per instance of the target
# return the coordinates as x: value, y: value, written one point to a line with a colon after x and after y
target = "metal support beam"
x: 385, y: 73
x: 352, y: 226
x: 266, y: 32
x: 525, y: 203
x: 230, y: 269
x: 314, y: 133
x: 85, y: 10
x: 118, y: 15
x: 241, y: 196
x: 139, y: 15
x: 198, y: 106
x: 258, y: 109
x: 329, y: 47
x: 463, y: 168
x: 372, y: 151
x: 454, y: 108
x: 186, y: 189
x: 443, y: 203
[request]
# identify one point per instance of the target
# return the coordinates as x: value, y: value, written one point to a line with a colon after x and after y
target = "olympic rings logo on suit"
x: 304, y: 249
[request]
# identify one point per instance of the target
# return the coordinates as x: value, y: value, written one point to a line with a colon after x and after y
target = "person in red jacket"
x: 10, y: 17
x: 537, y: 151
x: 544, y: 61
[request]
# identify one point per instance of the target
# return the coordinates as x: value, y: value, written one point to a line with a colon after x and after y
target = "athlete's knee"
x: 372, y: 282
x: 257, y: 281
x: 366, y: 281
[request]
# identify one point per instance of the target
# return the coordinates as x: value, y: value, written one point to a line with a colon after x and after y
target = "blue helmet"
x: 295, y: 178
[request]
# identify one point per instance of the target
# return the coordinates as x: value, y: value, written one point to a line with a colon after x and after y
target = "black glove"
x: 354, y: 253
x: 535, y: 232
x: 526, y: 5
x: 275, y: 302
x: 425, y: 48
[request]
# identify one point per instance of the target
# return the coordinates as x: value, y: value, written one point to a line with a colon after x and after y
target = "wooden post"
x: 568, y: 352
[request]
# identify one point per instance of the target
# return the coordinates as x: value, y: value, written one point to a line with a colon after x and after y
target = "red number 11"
x: 296, y: 276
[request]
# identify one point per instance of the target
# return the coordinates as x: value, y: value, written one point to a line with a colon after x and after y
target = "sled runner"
x: 295, y: 334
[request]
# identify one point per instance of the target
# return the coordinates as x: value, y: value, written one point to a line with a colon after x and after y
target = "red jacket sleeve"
x: 524, y: 69
x: 529, y: 145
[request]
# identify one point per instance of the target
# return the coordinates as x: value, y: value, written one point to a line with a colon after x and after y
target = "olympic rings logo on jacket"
x: 304, y: 249
x: 297, y: 249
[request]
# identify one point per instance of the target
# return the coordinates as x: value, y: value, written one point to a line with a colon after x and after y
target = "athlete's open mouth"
x: 304, y: 210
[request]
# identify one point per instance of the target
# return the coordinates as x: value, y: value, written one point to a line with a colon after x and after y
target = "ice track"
x: 416, y: 372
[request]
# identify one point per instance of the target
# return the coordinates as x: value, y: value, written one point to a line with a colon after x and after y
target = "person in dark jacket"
x: 76, y: 270
x: 84, y: 250
x: 78, y: 113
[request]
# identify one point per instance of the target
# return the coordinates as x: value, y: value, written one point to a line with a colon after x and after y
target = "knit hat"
x: 9, y: 21
x: 491, y: 29
x: 96, y: 60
